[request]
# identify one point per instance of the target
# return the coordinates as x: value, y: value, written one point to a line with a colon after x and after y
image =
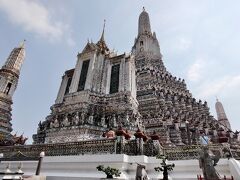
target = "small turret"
x: 146, y: 42
x: 221, y: 115
x: 144, y: 26
x: 9, y: 75
x: 101, y: 43
x: 15, y: 59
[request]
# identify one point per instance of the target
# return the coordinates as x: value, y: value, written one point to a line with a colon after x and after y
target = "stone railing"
x: 182, y: 153
x: 111, y: 146
x: 99, y: 146
x: 192, y: 152
x: 102, y: 146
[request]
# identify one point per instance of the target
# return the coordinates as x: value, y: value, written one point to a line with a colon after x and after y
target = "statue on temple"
x: 175, y: 98
x: 182, y: 100
x: 169, y: 96
x: 138, y: 123
x: 65, y: 122
x: 161, y: 94
x: 55, y: 123
x: 82, y: 117
x: 141, y: 173
x: 102, y: 121
x: 51, y: 125
x: 127, y: 120
x: 40, y: 126
x: 207, y: 161
x: 76, y: 119
x: 90, y: 119
x: 113, y: 121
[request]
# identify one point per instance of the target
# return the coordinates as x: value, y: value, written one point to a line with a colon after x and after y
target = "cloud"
x: 183, y: 43
x: 34, y: 17
x: 224, y: 85
x: 195, y: 70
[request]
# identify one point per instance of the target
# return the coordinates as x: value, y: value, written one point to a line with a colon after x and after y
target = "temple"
x: 119, y: 110
x: 122, y: 104
x: 131, y: 91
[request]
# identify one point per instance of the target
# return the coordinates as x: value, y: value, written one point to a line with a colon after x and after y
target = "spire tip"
x: 22, y: 44
x: 102, y: 37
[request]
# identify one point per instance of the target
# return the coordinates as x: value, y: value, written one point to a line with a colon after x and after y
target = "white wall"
x: 84, y: 167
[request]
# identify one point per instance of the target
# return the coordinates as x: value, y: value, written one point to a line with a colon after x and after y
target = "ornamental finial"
x: 22, y: 44
x: 102, y: 36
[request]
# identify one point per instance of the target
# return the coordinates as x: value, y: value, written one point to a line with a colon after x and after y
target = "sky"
x: 199, y: 41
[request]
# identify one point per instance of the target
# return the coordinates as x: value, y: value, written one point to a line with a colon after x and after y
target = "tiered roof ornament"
x: 101, y: 43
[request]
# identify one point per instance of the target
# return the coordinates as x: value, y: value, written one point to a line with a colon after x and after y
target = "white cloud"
x: 195, y: 70
x: 224, y: 85
x: 183, y: 43
x: 34, y: 17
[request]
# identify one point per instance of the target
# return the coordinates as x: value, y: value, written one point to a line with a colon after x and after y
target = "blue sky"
x: 199, y: 41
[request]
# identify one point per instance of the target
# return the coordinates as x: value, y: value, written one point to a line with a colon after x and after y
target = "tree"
x: 164, y: 166
x: 110, y: 172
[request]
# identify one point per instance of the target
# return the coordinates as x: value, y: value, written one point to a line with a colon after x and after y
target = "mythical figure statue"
x: 65, y: 121
x: 51, y: 125
x: 82, y: 117
x: 40, y: 126
x: 127, y: 120
x: 207, y: 161
x: 102, y: 121
x: 114, y: 121
x: 76, y: 119
x: 141, y: 173
x: 81, y: 121
x: 90, y: 119
x: 55, y: 123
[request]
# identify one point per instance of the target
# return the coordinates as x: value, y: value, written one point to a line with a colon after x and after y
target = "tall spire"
x: 101, y: 43
x: 9, y: 75
x: 144, y: 26
x: 102, y: 36
x: 221, y: 115
x: 22, y: 44
x: 146, y: 42
x: 15, y: 59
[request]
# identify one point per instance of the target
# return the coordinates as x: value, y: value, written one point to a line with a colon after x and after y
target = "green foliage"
x: 158, y: 169
x: 110, y: 172
x: 164, y: 165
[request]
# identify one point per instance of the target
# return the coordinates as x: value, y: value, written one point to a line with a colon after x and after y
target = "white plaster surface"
x: 84, y: 167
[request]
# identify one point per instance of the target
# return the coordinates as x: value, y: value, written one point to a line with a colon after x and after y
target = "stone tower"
x: 221, y: 115
x: 131, y: 90
x: 9, y: 75
x: 165, y: 104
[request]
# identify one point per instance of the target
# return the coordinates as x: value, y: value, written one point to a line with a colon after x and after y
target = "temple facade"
x: 98, y: 94
x: 9, y: 75
x: 129, y: 93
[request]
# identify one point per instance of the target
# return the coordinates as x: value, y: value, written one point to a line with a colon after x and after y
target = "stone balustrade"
x: 111, y: 146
